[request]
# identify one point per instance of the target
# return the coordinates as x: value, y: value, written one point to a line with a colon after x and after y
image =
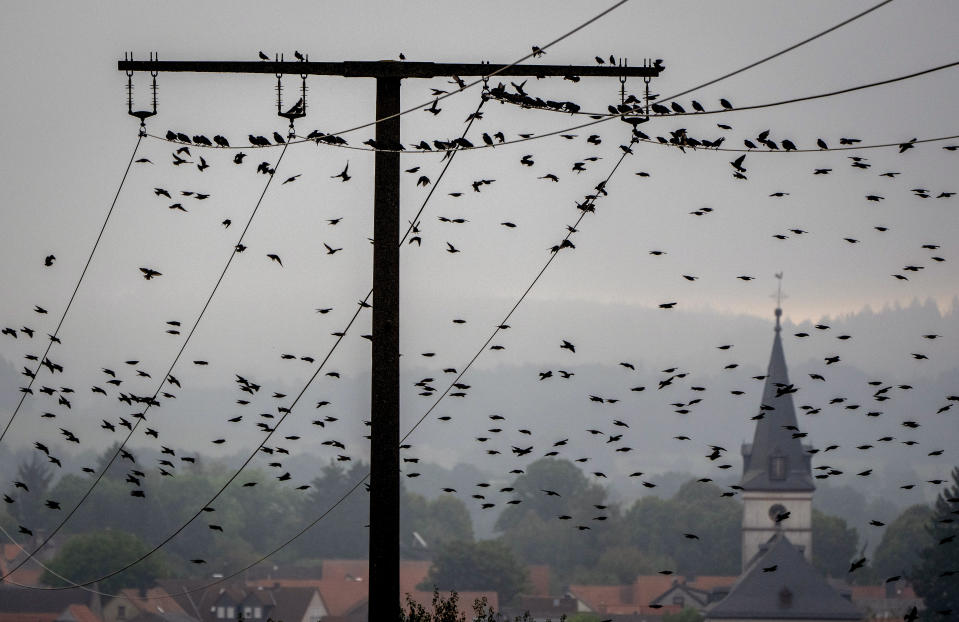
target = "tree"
x: 436, y: 521
x: 834, y: 544
x: 621, y: 564
x: 902, y: 542
x: 935, y: 576
x: 532, y: 528
x: 29, y: 507
x: 341, y: 533
x: 658, y: 527
x: 563, y: 477
x: 90, y: 556
x: 484, y: 565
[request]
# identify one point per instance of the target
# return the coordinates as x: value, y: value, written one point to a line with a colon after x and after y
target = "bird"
x: 149, y: 273
x: 48, y: 260
x: 343, y: 175
x: 276, y: 258
x: 330, y: 250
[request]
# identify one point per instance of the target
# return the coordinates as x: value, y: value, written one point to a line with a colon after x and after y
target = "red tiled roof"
x: 340, y: 596
x: 709, y: 582
x: 647, y: 587
x: 636, y: 598
x: 28, y: 617
x: 340, y: 568
x: 9, y: 552
x: 597, y: 596
x: 861, y: 592
x: 27, y: 575
x: 341, y: 592
x: 155, y: 597
x: 412, y: 572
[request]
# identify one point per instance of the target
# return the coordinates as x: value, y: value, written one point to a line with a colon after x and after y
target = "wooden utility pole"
x: 384, y: 585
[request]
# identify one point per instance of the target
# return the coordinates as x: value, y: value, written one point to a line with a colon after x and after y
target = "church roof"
x: 773, y: 438
x: 792, y: 590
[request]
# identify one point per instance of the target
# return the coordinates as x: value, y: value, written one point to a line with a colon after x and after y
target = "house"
x: 648, y: 597
x: 47, y: 606
x: 225, y: 602
x: 144, y: 605
x: 11, y: 554
x: 342, y: 587
x: 891, y: 601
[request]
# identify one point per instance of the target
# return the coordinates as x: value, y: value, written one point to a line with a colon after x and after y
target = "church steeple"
x: 777, y: 460
x: 777, y: 484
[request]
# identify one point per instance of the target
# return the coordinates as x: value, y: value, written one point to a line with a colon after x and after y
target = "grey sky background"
x: 67, y: 138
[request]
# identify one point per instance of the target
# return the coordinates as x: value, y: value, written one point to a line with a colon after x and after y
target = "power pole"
x: 384, y: 585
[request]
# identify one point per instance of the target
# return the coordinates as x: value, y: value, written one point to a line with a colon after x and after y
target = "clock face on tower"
x: 778, y: 513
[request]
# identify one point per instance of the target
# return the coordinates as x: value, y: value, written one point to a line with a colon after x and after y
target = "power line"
x: 756, y: 106
x: 142, y: 416
x: 608, y: 117
x: 781, y: 52
x: 341, y: 335
x: 817, y: 150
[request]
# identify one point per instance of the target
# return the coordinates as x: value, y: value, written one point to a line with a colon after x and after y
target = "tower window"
x: 777, y: 468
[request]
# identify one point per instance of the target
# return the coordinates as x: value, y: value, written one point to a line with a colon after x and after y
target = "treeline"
x: 559, y: 517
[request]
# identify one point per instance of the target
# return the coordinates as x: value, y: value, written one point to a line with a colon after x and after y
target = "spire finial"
x: 779, y: 299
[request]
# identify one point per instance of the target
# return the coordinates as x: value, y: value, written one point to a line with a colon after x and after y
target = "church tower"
x: 777, y: 483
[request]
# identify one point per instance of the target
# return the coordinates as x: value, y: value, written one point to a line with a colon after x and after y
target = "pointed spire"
x: 777, y: 460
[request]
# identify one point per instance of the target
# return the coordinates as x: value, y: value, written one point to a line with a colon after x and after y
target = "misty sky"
x: 67, y: 139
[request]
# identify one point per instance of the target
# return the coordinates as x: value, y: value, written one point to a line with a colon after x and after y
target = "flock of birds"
x: 130, y: 384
